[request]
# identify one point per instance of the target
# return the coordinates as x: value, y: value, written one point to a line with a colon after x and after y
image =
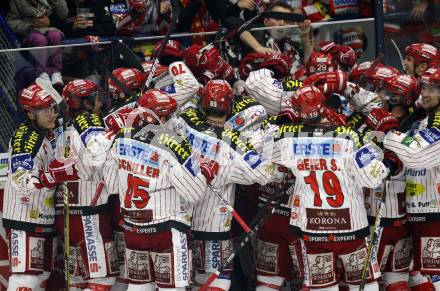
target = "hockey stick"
x: 175, y: 8
x: 234, y: 213
x: 256, y: 223
x: 374, y: 235
x: 400, y: 54
x: 47, y: 86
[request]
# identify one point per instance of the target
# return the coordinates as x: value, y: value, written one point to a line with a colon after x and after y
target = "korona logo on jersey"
x: 89, y: 232
x: 328, y: 219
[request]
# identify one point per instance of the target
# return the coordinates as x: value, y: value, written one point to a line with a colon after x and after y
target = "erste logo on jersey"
x: 330, y: 148
x: 139, y: 152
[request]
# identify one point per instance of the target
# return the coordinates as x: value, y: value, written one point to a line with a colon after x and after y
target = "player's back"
x: 150, y: 178
x: 331, y: 168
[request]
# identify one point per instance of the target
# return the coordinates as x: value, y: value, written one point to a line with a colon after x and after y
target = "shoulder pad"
x: 84, y: 121
x: 242, y: 103
x: 26, y: 139
x: 238, y: 144
x: 195, y: 119
x: 292, y: 85
x: 434, y: 120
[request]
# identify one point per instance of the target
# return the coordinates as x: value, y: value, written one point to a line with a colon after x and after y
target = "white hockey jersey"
x: 157, y: 179
x: 419, y: 153
x: 87, y: 194
x: 330, y: 168
x: 30, y: 209
x: 237, y: 163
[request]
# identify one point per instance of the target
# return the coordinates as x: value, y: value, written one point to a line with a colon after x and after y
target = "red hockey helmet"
x: 423, y: 53
x: 172, y: 48
x: 35, y: 98
x: 431, y: 77
x: 157, y: 101
x: 131, y: 78
x: 402, y: 90
x: 309, y: 102
x: 321, y: 62
x: 217, y: 96
x: 78, y: 89
x: 137, y: 4
x: 381, y: 74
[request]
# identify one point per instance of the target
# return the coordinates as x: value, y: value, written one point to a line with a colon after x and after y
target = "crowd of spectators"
x: 48, y: 22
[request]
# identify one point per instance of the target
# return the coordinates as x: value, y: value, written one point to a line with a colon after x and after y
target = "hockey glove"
x: 381, y: 120
x: 392, y: 162
x: 291, y: 114
x: 62, y: 170
x: 251, y: 62
x: 209, y: 169
x: 334, y: 117
x: 328, y: 82
x: 279, y: 64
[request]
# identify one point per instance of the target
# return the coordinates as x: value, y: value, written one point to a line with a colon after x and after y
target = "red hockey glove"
x: 328, y: 82
x: 62, y: 170
x: 209, y: 169
x: 191, y: 56
x: 392, y: 162
x: 46, y: 180
x: 279, y: 64
x: 290, y: 114
x: 251, y: 62
x: 334, y: 117
x: 381, y: 120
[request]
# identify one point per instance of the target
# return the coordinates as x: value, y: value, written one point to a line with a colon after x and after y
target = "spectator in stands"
x: 31, y: 20
x: 140, y: 17
x: 265, y: 41
x: 88, y: 18
x: 218, y: 10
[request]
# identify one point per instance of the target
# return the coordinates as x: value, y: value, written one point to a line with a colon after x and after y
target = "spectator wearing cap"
x: 31, y: 20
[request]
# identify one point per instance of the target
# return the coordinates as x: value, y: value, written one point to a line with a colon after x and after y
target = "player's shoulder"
x: 236, y: 141
x: 146, y: 137
x: 195, y: 119
x: 84, y: 121
x: 434, y: 120
x: 26, y: 140
x: 242, y: 103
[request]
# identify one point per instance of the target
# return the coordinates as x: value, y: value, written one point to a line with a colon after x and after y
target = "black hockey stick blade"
x: 129, y: 56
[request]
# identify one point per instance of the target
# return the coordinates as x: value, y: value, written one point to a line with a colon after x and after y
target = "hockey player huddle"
x: 150, y: 179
